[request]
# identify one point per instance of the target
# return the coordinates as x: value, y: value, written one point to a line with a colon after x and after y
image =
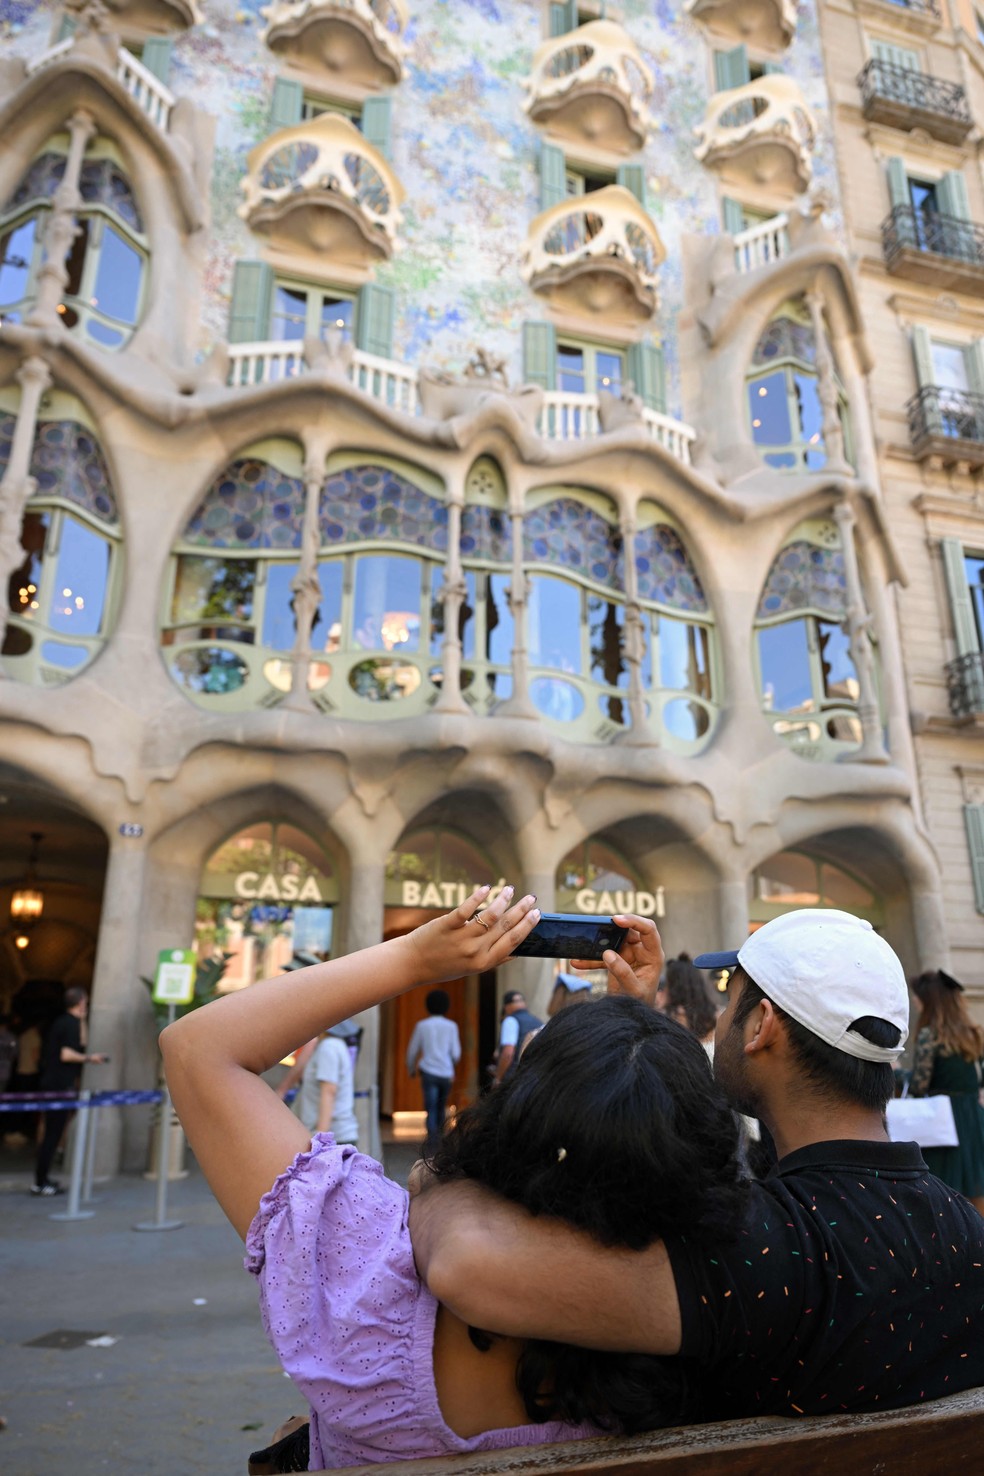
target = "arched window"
x: 678, y: 652
x: 784, y: 409
x: 107, y: 260
x: 435, y: 868
x: 792, y: 879
x: 806, y: 675
x: 229, y: 609
x: 596, y: 878
x: 61, y: 595
x: 486, y: 622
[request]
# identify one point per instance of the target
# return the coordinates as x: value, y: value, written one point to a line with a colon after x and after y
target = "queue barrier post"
x: 90, y: 1157
x: 73, y: 1212
x: 160, y: 1220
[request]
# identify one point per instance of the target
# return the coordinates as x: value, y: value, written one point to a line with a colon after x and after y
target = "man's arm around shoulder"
x: 505, y: 1271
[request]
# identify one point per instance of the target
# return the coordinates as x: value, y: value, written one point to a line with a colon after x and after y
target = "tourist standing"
x: 948, y: 1062
x: 435, y: 1049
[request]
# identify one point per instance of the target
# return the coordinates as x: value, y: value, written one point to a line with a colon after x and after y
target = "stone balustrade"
x: 761, y: 244
x: 149, y: 93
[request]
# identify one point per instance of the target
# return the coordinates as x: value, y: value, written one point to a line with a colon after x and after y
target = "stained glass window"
x: 567, y: 533
x: 67, y: 462
x: 251, y: 505
x: 372, y: 503
x: 664, y: 572
x: 805, y: 577
x: 41, y: 180
x: 286, y: 166
x: 485, y: 534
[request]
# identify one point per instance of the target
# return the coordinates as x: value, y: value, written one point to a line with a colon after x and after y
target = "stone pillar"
x: 930, y: 929
x: 62, y: 227
x: 452, y: 595
x: 733, y: 911
x: 519, y: 704
x: 17, y: 484
x: 833, y: 434
x: 306, y: 586
x: 365, y: 927
x: 642, y: 729
x: 120, y: 1006
x: 857, y: 624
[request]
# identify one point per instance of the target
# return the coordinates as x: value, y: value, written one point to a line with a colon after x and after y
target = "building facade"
x: 441, y: 444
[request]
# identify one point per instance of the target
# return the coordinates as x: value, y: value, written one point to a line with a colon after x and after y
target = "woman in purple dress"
x: 611, y: 1122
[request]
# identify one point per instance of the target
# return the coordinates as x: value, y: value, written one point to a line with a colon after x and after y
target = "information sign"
x: 174, y: 981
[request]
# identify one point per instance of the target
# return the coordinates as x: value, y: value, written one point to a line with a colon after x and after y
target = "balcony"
x: 762, y: 244
x: 947, y: 424
x: 567, y: 416
x: 903, y: 99
x: 761, y: 134
x: 596, y: 254
x: 769, y: 25
x: 941, y: 250
x: 920, y: 17
x: 320, y: 186
x: 148, y: 92
x: 965, y: 685
x: 360, y: 40
x: 591, y: 85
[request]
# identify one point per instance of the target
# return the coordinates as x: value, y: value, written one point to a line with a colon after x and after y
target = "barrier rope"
x: 66, y: 1102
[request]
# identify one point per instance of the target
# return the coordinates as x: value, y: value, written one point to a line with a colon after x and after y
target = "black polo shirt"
x: 58, y: 1075
x: 857, y: 1283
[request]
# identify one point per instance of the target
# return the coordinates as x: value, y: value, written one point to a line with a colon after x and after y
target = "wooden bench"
x: 931, y: 1439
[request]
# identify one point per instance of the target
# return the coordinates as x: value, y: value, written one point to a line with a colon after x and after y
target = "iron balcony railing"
x: 939, y: 414
x: 917, y: 90
x: 965, y: 684
x: 932, y: 233
x: 928, y: 8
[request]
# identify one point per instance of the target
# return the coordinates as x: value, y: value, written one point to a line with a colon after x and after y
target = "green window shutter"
x: 249, y: 309
x: 374, y: 320
x: 974, y: 817
x: 772, y: 69
x: 952, y: 195
x: 974, y: 361
x: 895, y: 56
x: 632, y: 177
x: 553, y: 176
x: 286, y: 105
x: 731, y: 69
x: 898, y: 182
x: 563, y: 18
x: 376, y: 113
x: 645, y: 365
x: 961, y: 607
x: 540, y: 355
x: 922, y: 354
x: 156, y: 56
x: 733, y: 215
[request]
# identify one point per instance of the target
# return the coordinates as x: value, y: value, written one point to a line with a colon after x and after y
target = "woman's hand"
x: 636, y: 968
x: 472, y: 938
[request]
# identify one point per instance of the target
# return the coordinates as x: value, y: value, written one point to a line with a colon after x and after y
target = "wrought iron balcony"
x: 948, y: 423
x: 360, y: 39
x: 770, y: 24
x: 965, y: 685
x: 592, y: 85
x: 906, y: 99
x: 942, y: 250
x: 761, y: 134
x: 596, y: 253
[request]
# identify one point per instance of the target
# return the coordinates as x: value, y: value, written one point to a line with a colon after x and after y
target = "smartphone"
x: 570, y: 935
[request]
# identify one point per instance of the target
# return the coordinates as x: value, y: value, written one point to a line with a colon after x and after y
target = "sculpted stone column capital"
x: 34, y: 375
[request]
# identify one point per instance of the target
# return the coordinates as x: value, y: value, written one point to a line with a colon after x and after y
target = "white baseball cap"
x: 826, y: 969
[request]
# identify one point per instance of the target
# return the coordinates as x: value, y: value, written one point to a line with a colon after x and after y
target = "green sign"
x: 174, y: 981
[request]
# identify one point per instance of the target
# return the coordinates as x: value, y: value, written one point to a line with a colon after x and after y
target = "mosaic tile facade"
x: 804, y: 577
x: 576, y: 539
x: 786, y: 339
x: 68, y: 463
x: 372, y: 502
x: 251, y: 505
x: 485, y: 534
x: 664, y: 572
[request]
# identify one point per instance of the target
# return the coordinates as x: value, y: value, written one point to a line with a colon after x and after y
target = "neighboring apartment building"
x: 436, y: 447
x: 907, y: 92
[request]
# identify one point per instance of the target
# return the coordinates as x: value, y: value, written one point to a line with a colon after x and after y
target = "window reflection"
x: 65, y: 592
x: 554, y: 632
x: 784, y: 660
x: 386, y: 612
x: 210, y: 589
x: 16, y: 256
x: 81, y: 581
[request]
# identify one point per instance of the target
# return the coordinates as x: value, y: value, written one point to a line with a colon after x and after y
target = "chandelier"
x: 27, y: 902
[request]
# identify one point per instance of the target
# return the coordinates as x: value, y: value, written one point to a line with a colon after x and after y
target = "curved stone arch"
x: 478, y: 813
x: 748, y: 312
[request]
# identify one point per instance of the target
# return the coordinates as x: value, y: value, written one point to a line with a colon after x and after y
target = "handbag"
x: 927, y: 1121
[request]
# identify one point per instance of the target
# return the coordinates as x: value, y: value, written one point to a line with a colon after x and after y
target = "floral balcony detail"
x: 321, y: 186
x: 591, y: 85
x: 361, y: 40
x: 767, y: 24
x: 760, y: 133
x: 597, y: 253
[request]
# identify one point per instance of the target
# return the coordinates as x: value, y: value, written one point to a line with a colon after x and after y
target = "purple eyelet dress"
x: 350, y: 1319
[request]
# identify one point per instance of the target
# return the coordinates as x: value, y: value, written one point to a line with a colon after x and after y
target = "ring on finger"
x: 481, y: 922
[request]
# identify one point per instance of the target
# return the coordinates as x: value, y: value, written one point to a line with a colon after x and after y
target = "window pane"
x: 279, y: 623
x: 75, y: 262
x: 790, y: 879
x: 289, y: 317
x: 212, y: 589
x: 608, y: 372
x: 683, y: 657
x: 949, y: 366
x: 570, y: 369
x: 336, y: 312
x: 16, y: 250
x: 810, y: 419
x: 974, y: 565
x: 79, y: 595
x: 498, y: 621
x: 554, y: 623
x: 117, y: 290
x: 326, y: 632
x: 386, y: 615
x: 24, y: 588
x: 769, y: 410
x: 784, y: 657
x: 606, y: 622
x: 840, y: 678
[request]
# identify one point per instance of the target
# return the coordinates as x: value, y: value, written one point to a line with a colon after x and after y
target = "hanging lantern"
x: 27, y: 902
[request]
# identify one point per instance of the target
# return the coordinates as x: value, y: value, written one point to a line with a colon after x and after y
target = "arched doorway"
x: 800, y: 878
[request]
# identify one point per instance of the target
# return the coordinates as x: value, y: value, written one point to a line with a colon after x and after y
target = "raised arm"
x: 240, y: 1131
x: 501, y: 1269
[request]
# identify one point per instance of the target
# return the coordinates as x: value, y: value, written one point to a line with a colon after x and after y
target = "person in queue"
x: 858, y: 1280
x: 610, y: 1123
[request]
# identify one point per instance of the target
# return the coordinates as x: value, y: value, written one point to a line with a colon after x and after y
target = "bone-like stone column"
x: 641, y: 729
x: 62, y: 227
x: 858, y: 626
x: 306, y: 586
x: 17, y: 484
x: 452, y: 595
x: 519, y: 704
x: 833, y: 433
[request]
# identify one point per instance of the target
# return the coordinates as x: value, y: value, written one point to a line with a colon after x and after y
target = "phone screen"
x: 569, y: 935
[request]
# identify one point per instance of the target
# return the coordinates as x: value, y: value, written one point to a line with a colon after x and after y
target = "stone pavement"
x: 190, y: 1384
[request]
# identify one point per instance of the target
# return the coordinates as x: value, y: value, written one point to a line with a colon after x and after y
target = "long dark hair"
x: 611, y: 1121
x: 686, y: 995
x: 944, y: 1012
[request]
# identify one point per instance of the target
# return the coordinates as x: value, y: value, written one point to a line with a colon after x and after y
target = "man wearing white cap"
x: 858, y: 1280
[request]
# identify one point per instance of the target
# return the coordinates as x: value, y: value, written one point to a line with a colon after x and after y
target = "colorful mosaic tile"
x: 101, y: 182
x: 804, y: 577
x: 485, y: 534
x: 251, y: 505
x: 664, y: 572
x: 373, y: 504
x: 569, y: 534
x: 68, y: 463
x: 41, y: 180
x: 786, y: 339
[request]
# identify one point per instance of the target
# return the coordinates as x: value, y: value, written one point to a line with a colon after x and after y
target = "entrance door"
x: 406, y: 1010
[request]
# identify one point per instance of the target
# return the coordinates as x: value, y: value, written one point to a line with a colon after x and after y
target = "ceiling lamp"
x: 27, y: 902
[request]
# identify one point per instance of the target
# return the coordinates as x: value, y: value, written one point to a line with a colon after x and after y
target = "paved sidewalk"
x: 189, y: 1385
